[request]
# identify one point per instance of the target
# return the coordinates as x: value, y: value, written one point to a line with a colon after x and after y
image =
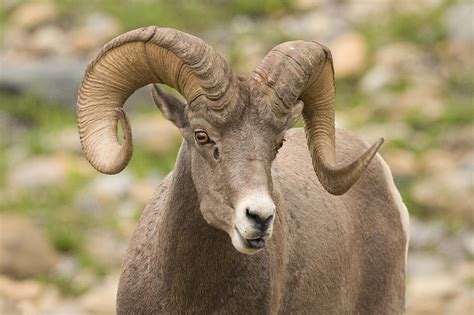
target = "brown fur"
x: 328, y: 254
x: 307, y: 250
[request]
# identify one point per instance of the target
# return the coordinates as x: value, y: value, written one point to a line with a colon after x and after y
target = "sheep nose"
x: 255, y: 212
x: 261, y: 221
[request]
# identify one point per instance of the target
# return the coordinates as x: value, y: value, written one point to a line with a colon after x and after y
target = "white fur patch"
x: 257, y: 202
x: 404, y: 216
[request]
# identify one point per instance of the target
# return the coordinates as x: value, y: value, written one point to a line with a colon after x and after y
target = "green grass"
x: 51, y: 207
x: 424, y: 27
x: 185, y: 15
x: 404, y: 186
x: 33, y: 112
x: 145, y: 162
x: 64, y: 225
x: 3, y: 169
x: 398, y: 86
x: 259, y: 8
x: 66, y: 285
x: 349, y: 95
x: 54, y: 208
x: 470, y: 280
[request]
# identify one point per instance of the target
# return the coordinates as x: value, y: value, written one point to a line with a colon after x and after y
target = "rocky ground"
x: 404, y: 72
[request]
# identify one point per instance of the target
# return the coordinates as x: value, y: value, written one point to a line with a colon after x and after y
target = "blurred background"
x: 404, y: 72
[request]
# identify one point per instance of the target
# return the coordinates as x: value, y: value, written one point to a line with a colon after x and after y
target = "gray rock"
x: 101, y: 26
x: 64, y: 140
x: 155, y: 133
x: 112, y: 187
x: 402, y: 162
x: 38, y: 172
x: 452, y: 247
x: 353, y: 63
x: 67, y: 267
x: 24, y: 290
x: 9, y: 307
x: 467, y: 239
x: 363, y: 11
x: 446, y: 194
x: 69, y: 308
x: 48, y: 40
x: 101, y: 299
x: 87, y: 202
x: 458, y: 19
x: 376, y: 78
x: 438, y: 160
x: 52, y: 79
x: 31, y: 14
x: 427, y: 294
x: 424, y: 234
x: 420, y: 263
x: 97, y: 30
x: 8, y: 125
x: 55, y: 80
x: 24, y: 250
x: 105, y: 248
x: 459, y: 138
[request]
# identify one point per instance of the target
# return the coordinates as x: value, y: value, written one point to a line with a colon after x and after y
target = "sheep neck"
x: 197, y: 260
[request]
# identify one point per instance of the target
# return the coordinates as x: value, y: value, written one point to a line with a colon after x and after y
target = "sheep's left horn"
x: 304, y: 70
x: 137, y: 58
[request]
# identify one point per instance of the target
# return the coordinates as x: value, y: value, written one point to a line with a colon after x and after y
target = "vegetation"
x: 34, y: 121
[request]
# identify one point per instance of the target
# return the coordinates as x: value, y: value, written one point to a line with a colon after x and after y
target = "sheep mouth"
x: 255, y: 243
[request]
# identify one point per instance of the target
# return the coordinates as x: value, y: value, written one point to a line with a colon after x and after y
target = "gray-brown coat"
x: 245, y: 224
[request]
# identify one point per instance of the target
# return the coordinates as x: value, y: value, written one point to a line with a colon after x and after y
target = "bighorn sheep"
x: 238, y: 227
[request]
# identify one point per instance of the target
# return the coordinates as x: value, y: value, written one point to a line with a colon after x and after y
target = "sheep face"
x: 231, y: 171
x: 231, y: 167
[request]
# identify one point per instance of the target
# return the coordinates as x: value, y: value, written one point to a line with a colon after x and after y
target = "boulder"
x: 101, y: 299
x: 24, y: 250
x: 37, y: 173
x: 105, y: 248
x: 349, y: 52
x: 155, y: 133
x: 25, y: 290
x: 31, y: 14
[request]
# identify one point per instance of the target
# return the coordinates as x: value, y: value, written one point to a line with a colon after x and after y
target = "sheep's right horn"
x: 302, y: 70
x: 135, y: 59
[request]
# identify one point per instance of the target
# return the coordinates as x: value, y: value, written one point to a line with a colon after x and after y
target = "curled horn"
x: 301, y: 70
x: 133, y: 60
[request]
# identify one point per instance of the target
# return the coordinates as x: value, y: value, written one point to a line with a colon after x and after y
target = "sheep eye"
x: 201, y: 137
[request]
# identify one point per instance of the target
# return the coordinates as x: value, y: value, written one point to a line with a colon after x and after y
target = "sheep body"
x: 328, y: 254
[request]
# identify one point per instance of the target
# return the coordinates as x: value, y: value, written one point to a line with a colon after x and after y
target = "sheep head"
x: 233, y: 125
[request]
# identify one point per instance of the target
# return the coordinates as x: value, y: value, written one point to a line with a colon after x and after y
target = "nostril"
x: 252, y: 215
x: 267, y: 220
x: 263, y: 222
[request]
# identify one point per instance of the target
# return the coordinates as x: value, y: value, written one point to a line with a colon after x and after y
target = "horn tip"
x: 379, y: 143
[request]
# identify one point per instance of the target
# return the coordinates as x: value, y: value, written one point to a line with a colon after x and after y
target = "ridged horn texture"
x: 304, y: 70
x: 137, y: 58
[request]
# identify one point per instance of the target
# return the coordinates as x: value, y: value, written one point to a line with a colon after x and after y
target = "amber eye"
x: 201, y: 137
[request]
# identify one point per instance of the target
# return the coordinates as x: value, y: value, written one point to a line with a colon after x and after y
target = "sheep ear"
x: 171, y: 107
x: 294, y: 114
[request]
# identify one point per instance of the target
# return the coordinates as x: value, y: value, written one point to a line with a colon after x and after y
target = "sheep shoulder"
x: 343, y: 250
